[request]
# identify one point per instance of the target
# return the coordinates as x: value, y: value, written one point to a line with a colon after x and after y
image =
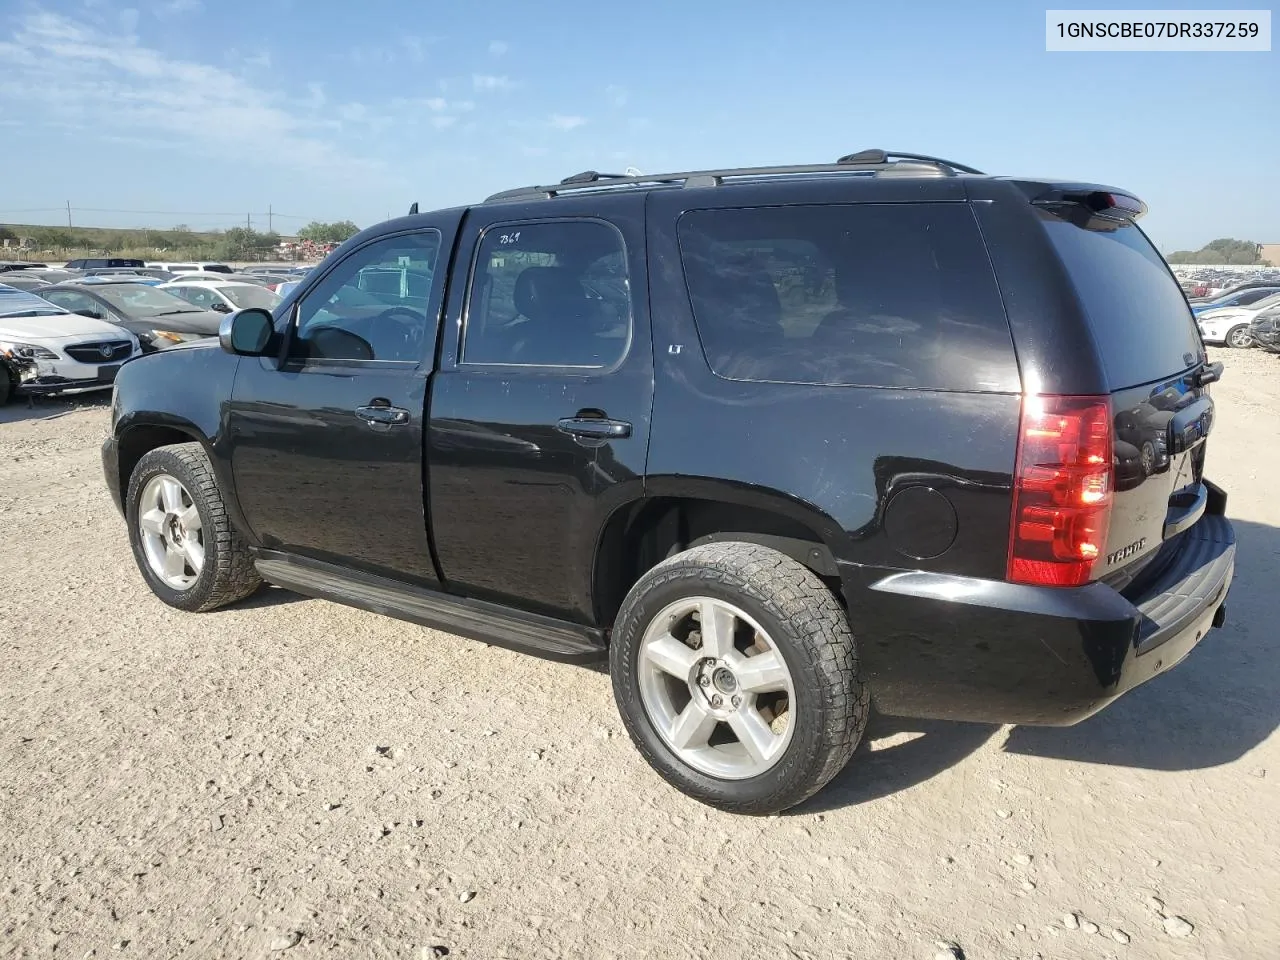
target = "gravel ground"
x: 294, y: 778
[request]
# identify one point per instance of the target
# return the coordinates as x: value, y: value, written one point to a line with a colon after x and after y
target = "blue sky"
x: 205, y: 110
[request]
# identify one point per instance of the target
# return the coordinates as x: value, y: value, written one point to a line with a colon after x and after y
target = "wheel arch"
x: 136, y: 439
x: 641, y: 534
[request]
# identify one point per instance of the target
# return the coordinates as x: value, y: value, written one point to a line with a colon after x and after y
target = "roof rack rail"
x: 884, y: 156
x: 863, y: 162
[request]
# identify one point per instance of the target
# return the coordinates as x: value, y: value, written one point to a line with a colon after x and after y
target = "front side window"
x: 372, y: 305
x: 876, y: 294
x: 552, y: 294
x: 199, y: 296
x: 251, y: 295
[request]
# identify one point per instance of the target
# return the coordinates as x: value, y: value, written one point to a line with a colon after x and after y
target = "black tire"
x: 228, y: 574
x: 6, y: 386
x: 1248, y: 342
x: 807, y: 626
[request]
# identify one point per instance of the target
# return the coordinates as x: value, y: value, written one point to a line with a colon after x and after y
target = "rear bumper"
x: 949, y: 647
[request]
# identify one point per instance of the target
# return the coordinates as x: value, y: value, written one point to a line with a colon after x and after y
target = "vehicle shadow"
x: 1211, y: 709
x: 22, y: 408
x: 268, y: 595
x: 915, y: 751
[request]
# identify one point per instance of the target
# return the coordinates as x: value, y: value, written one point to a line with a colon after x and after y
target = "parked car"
x: 95, y: 263
x: 159, y: 320
x: 1265, y: 330
x: 19, y: 280
x: 222, y: 295
x: 15, y: 371
x: 284, y: 287
x: 145, y: 273
x: 72, y: 354
x: 1231, y: 325
x: 1241, y: 298
x: 774, y: 441
x: 201, y: 266
x: 8, y: 266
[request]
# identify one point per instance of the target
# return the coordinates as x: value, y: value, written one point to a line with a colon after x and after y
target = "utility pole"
x: 270, y: 220
x: 68, y: 213
x: 248, y: 223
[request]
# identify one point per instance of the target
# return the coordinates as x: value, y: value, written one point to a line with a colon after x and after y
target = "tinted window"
x: 1138, y: 316
x: 549, y: 294
x: 1252, y: 296
x: 886, y: 295
x: 343, y: 319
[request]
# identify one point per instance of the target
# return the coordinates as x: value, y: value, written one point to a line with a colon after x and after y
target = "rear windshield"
x: 1138, y: 314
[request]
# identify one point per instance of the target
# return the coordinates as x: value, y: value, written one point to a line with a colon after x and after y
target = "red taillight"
x: 1062, y: 489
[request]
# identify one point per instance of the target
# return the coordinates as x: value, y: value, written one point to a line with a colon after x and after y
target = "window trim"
x: 301, y: 364
x: 562, y: 369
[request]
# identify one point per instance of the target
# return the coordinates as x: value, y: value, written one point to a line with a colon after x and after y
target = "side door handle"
x: 380, y: 415
x: 594, y: 431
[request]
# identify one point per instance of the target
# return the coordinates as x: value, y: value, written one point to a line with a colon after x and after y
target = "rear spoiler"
x: 1104, y: 203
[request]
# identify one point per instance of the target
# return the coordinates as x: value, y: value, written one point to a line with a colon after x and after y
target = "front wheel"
x: 735, y: 674
x: 1239, y: 337
x: 189, y: 553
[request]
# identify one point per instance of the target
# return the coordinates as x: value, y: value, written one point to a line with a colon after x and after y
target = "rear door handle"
x: 594, y: 429
x: 382, y: 415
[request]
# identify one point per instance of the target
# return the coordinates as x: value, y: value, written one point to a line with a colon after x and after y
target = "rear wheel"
x: 189, y: 553
x: 735, y: 674
x: 1239, y: 337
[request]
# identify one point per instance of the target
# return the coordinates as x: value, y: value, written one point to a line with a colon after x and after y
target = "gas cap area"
x: 920, y: 523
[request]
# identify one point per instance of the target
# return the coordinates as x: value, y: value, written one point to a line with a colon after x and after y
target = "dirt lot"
x: 290, y: 775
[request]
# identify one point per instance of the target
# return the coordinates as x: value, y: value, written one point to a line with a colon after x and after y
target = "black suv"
x: 778, y: 442
x: 97, y: 263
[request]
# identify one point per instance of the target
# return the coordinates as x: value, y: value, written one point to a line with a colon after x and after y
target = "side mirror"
x: 219, y: 306
x: 86, y: 312
x: 246, y: 333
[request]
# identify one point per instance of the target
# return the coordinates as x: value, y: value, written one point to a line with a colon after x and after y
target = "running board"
x: 477, y: 619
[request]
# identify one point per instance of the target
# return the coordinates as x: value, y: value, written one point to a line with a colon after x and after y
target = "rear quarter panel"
x: 832, y: 457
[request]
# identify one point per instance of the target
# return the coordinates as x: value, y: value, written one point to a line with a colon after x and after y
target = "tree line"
x: 1225, y: 251
x: 236, y: 243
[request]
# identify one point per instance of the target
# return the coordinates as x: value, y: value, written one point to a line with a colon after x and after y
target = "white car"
x: 1230, y: 325
x: 200, y: 266
x: 221, y: 295
x: 73, y: 354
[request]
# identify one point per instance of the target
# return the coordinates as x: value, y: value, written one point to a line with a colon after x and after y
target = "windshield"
x: 136, y: 300
x: 249, y: 295
x: 1267, y: 303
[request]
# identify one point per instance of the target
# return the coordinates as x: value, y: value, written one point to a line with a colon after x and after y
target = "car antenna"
x: 414, y: 208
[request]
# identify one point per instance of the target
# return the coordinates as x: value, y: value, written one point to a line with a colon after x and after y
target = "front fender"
x: 174, y: 396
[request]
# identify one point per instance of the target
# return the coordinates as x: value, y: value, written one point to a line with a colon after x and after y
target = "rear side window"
x: 1138, y: 315
x: 881, y: 295
x: 550, y: 294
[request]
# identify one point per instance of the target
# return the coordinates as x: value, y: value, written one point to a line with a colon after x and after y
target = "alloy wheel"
x: 716, y: 688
